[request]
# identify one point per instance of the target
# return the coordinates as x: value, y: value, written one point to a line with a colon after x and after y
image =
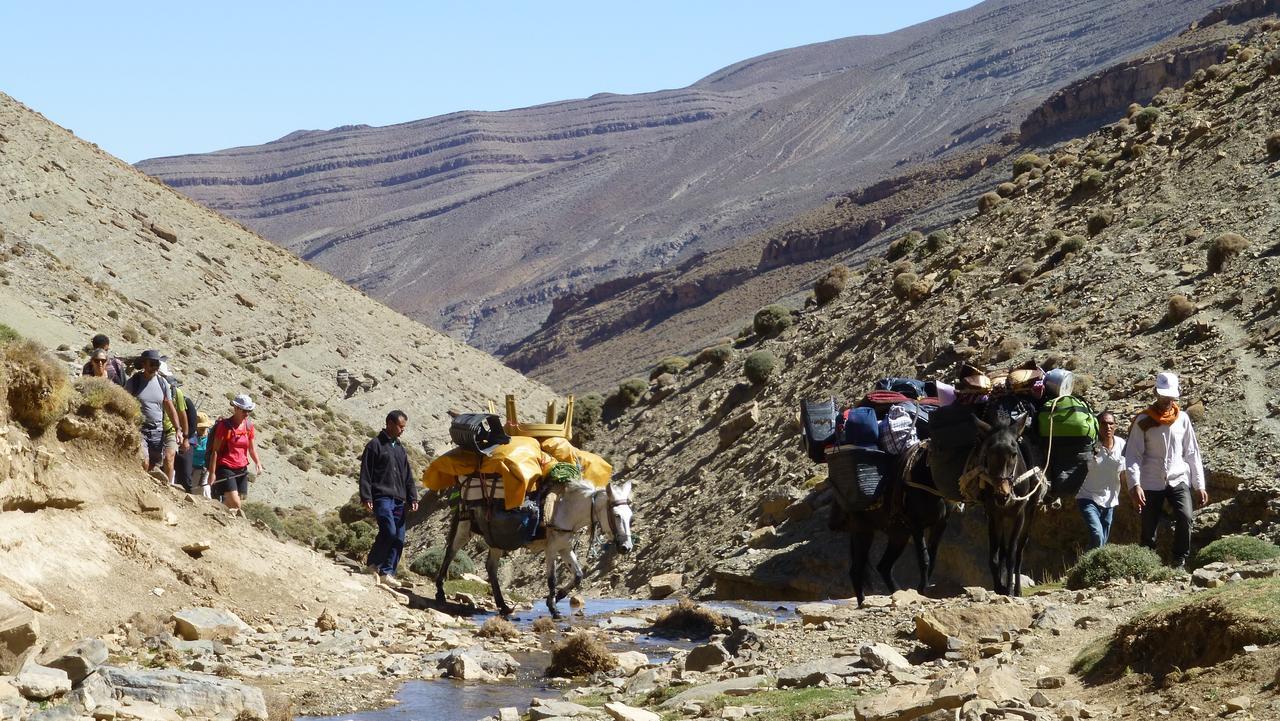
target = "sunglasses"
x: 99, y: 360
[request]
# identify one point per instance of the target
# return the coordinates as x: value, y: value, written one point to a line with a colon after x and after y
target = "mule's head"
x: 999, y: 455
x: 620, y: 516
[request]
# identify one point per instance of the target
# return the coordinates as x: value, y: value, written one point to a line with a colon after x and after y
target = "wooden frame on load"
x: 549, y: 429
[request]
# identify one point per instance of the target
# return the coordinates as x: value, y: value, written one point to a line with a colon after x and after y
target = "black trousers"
x: 1179, y: 500
x: 182, y: 469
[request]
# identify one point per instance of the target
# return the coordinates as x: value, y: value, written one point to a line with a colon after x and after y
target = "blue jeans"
x: 387, y: 547
x: 1097, y: 520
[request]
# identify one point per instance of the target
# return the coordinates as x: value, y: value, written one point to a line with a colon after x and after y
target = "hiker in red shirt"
x: 231, y: 445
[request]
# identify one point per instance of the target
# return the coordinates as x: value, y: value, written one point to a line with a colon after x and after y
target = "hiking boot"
x: 388, y: 580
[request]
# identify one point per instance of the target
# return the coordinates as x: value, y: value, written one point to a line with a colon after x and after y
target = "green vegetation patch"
x: 1236, y: 548
x: 1198, y: 630
x: 1114, y: 562
x: 428, y: 563
x: 794, y: 705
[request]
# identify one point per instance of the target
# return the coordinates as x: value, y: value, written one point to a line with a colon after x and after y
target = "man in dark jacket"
x: 386, y: 487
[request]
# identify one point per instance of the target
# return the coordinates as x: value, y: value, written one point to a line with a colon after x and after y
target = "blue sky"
x: 144, y: 79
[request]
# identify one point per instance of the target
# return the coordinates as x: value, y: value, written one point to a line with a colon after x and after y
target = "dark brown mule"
x: 1010, y: 494
x: 909, y: 512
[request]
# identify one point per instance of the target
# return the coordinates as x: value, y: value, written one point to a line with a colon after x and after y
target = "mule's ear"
x: 984, y: 428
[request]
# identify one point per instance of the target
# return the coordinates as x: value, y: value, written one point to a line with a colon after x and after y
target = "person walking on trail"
x: 200, y: 478
x: 386, y: 488
x: 156, y: 398
x: 97, y: 366
x: 231, y: 445
x: 1162, y: 460
x: 113, y: 366
x: 177, y: 436
x: 1100, y: 493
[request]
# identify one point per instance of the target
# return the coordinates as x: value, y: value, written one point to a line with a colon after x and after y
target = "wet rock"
x: 622, y: 712
x: 41, y: 683
x: 78, y: 659
x: 19, y: 631
x: 477, y: 664
x: 706, y: 657
x: 201, y: 623
x: 665, y: 584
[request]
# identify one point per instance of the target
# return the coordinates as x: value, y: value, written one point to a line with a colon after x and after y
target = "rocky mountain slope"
x: 89, y: 244
x: 1110, y: 254
x: 477, y: 222
x: 593, y: 338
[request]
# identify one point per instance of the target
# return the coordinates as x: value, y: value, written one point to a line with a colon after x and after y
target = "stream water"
x: 450, y: 700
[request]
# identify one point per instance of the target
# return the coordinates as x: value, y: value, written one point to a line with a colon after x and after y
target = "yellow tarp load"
x: 594, y: 468
x: 519, y: 463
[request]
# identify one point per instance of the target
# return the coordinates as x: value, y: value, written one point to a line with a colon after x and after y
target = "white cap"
x: 243, y: 402
x: 1167, y: 385
x: 165, y: 370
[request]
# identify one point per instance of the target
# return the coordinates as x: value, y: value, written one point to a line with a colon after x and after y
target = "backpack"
x: 898, y: 429
x: 477, y: 432
x: 860, y: 427
x: 222, y: 426
x: 184, y: 404
x: 909, y: 387
x: 818, y: 427
x: 857, y: 476
x: 1067, y: 417
x: 882, y: 401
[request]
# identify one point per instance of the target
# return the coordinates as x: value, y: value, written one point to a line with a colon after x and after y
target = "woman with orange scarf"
x: 1162, y: 460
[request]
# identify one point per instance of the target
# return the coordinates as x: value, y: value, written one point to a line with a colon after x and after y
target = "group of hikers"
x: 178, y: 441
x: 1081, y: 455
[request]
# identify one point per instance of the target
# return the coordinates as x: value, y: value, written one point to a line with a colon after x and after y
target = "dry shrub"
x: 543, y: 624
x: 919, y: 291
x: 1025, y: 271
x: 988, y: 201
x: 830, y: 286
x: 716, y: 355
x: 1100, y: 220
x: 1224, y: 248
x: 1273, y: 63
x: 672, y: 364
x: 498, y: 628
x: 904, y: 245
x: 1273, y: 145
x: 100, y: 394
x: 936, y: 240
x: 1180, y: 308
x: 1219, y: 71
x: 1090, y: 182
x: 38, y: 388
x: 582, y: 654
x: 1004, y: 190
x: 279, y: 706
x: 1008, y: 348
x: 687, y: 619
x: 1026, y: 162
x: 1146, y: 118
x: 902, y: 285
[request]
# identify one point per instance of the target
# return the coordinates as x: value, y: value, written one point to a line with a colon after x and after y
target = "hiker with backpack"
x: 1100, y: 493
x: 102, y: 363
x: 200, y: 476
x: 177, y: 434
x: 231, y: 446
x: 156, y: 399
x: 1162, y: 459
x: 387, y: 490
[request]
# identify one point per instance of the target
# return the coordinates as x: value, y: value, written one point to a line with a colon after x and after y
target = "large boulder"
x: 19, y: 631
x: 477, y: 664
x: 78, y: 659
x: 665, y: 584
x: 188, y: 694
x: 200, y: 623
x: 41, y: 683
x: 706, y: 657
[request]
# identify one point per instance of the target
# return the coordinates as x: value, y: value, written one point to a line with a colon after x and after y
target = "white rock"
x: 622, y: 712
x: 40, y: 683
x: 199, y: 623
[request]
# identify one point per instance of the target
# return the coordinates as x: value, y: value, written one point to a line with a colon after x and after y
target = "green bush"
x: 258, y: 511
x: 672, y: 364
x: 588, y: 412
x: 901, y: 286
x: 353, y: 540
x: 1099, y: 221
x: 1236, y: 548
x: 7, y: 334
x: 1146, y: 118
x: 936, y: 240
x: 1090, y: 182
x: 1272, y: 144
x: 759, y: 366
x: 716, y: 355
x: 1023, y: 272
x: 38, y: 388
x: 1114, y: 562
x: 100, y: 394
x: 904, y: 245
x: 1026, y: 162
x: 1005, y: 190
x: 771, y: 320
x: 428, y: 562
x: 1074, y: 244
x: 303, y: 526
x: 630, y: 390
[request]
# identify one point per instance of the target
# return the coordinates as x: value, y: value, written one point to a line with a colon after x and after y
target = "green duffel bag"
x: 1067, y: 417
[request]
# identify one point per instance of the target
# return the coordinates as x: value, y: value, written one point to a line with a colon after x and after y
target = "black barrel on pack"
x: 818, y: 426
x: 509, y: 530
x: 953, y: 434
x: 858, y: 475
x: 477, y: 432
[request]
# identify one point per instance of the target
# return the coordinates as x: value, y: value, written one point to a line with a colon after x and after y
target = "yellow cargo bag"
x: 594, y: 468
x: 519, y: 463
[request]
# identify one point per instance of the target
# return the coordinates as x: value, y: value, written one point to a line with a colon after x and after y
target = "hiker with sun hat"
x: 1162, y: 460
x: 231, y: 446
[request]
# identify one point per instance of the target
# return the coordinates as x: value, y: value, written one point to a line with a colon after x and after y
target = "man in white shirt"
x: 1162, y: 459
x: 1100, y: 493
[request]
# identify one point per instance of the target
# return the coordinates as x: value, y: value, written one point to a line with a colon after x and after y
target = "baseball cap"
x: 1167, y: 385
x: 243, y: 402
